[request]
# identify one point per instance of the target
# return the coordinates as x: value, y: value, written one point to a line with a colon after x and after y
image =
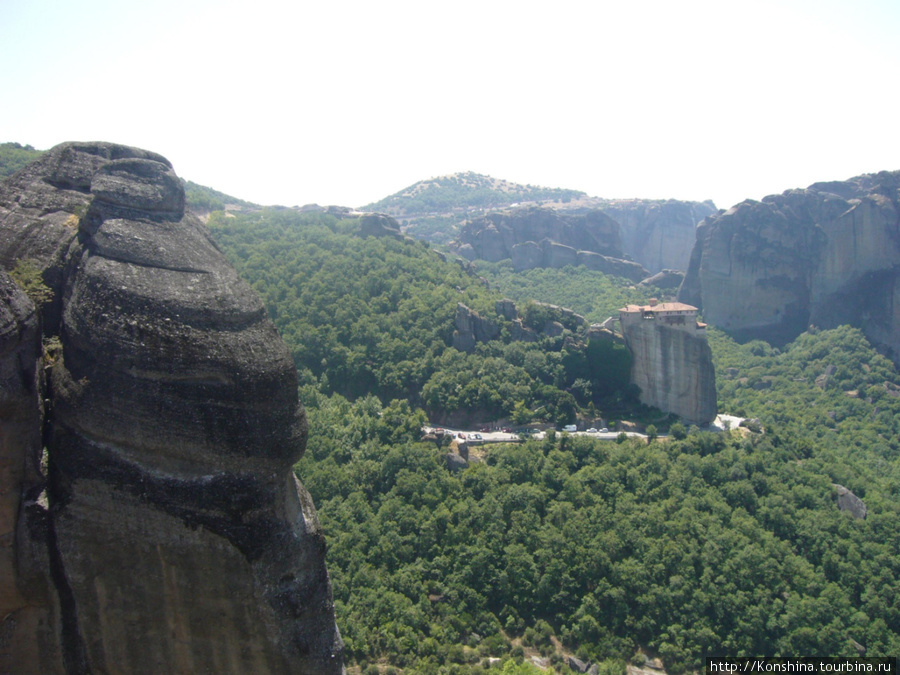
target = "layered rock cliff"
x: 671, y: 360
x: 633, y: 238
x: 827, y: 255
x: 658, y: 234
x: 167, y: 533
x: 542, y: 237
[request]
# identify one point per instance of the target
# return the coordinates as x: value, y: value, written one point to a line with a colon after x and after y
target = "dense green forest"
x: 203, y: 199
x: 592, y: 294
x: 682, y: 547
x: 376, y: 316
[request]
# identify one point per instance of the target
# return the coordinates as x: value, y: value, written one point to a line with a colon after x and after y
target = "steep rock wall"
x: 181, y: 541
x: 827, y: 255
x: 673, y: 369
x: 493, y: 236
x: 658, y: 234
x: 29, y: 608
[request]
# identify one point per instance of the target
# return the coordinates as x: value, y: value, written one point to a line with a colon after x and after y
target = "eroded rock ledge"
x: 168, y: 533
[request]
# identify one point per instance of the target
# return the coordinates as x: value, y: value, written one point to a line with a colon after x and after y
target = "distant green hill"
x: 204, y: 199
x: 432, y: 209
x: 13, y: 156
x: 464, y: 191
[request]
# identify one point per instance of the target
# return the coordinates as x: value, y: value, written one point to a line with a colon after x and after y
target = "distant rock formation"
x: 169, y: 533
x: 493, y: 236
x: 658, y: 234
x: 671, y: 359
x: 827, y: 255
x: 379, y: 225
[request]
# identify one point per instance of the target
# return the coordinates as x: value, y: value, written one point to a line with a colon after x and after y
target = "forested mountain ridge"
x: 463, y: 192
x: 376, y: 316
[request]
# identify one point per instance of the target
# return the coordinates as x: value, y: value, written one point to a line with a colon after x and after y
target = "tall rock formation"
x: 658, y: 234
x: 633, y: 238
x: 671, y: 359
x: 493, y: 236
x: 168, y: 533
x: 827, y: 255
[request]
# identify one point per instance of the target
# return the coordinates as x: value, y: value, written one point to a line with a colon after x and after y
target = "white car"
x: 592, y: 430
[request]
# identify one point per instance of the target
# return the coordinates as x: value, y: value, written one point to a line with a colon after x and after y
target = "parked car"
x: 592, y: 430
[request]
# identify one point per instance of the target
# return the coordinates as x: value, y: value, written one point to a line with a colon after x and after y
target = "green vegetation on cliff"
x: 594, y: 295
x: 13, y: 156
x: 377, y: 316
x: 204, y: 199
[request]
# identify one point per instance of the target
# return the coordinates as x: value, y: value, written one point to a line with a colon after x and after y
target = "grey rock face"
x: 667, y: 279
x: 379, y: 225
x: 847, y: 501
x: 183, y: 541
x: 472, y: 328
x: 827, y: 255
x: 672, y: 365
x: 659, y: 234
x: 494, y: 236
x: 29, y: 610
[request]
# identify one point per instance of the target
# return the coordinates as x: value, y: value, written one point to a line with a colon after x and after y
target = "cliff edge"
x: 164, y: 530
x: 671, y: 359
x: 827, y: 255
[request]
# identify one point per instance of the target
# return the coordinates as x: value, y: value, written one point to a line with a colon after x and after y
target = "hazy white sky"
x: 346, y: 101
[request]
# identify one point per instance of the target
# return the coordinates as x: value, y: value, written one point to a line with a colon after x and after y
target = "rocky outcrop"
x: 379, y: 225
x: 615, y: 266
x: 671, y: 360
x: 472, y: 328
x: 849, y: 502
x: 658, y: 234
x: 666, y: 279
x: 539, y: 237
x: 493, y: 236
x: 827, y: 255
x: 177, y: 538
